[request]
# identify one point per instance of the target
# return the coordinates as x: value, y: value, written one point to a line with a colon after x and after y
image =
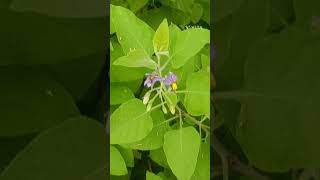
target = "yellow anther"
x: 174, y: 86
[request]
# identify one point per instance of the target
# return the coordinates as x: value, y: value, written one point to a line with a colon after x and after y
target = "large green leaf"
x: 187, y: 44
x: 59, y: 153
x: 130, y: 123
x: 181, y: 154
x: 119, y: 94
x: 279, y: 115
x: 154, y: 140
x: 117, y: 163
x: 121, y: 73
x: 136, y: 58
x: 131, y: 31
x: 203, y: 163
x: 31, y: 101
x: 197, y: 99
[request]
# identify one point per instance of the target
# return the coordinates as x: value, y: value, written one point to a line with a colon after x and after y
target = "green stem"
x: 165, y: 64
x: 166, y: 121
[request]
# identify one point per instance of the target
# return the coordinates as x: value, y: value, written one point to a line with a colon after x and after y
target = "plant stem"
x: 166, y: 121
x: 235, y: 163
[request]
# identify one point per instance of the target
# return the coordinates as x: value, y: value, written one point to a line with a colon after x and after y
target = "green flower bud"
x: 146, y: 98
x: 164, y: 109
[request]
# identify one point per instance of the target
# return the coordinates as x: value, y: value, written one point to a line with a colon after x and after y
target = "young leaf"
x: 187, y: 44
x: 136, y: 58
x: 154, y: 140
x: 197, y: 99
x: 181, y: 154
x: 161, y: 38
x: 119, y: 94
x: 131, y: 31
x: 130, y: 123
x: 151, y: 176
x: 117, y: 163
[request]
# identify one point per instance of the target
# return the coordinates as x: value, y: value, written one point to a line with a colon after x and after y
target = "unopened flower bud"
x: 146, y: 98
x: 164, y: 109
x: 172, y: 109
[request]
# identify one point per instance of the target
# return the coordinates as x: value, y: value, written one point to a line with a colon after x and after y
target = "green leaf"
x: 203, y: 163
x: 187, y: 44
x: 159, y: 157
x: 171, y: 99
x: 130, y: 123
x: 136, y: 5
x: 47, y: 153
x: 31, y: 101
x: 127, y: 155
x: 136, y: 58
x: 119, y: 94
x: 161, y: 38
x: 197, y: 99
x: 132, y: 32
x: 117, y: 163
x: 121, y: 73
x: 151, y: 176
x: 181, y: 154
x: 154, y: 140
x: 279, y: 116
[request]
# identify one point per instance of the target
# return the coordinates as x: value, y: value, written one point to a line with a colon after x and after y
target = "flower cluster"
x: 169, y: 80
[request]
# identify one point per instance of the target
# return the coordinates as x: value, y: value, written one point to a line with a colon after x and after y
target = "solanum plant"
x: 167, y: 124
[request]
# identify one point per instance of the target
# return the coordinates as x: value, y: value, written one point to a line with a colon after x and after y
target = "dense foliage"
x: 53, y: 93
x: 267, y: 89
x: 160, y: 90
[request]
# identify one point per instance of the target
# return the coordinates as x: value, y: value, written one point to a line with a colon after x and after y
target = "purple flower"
x: 171, y: 81
x: 172, y: 78
x: 151, y: 80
